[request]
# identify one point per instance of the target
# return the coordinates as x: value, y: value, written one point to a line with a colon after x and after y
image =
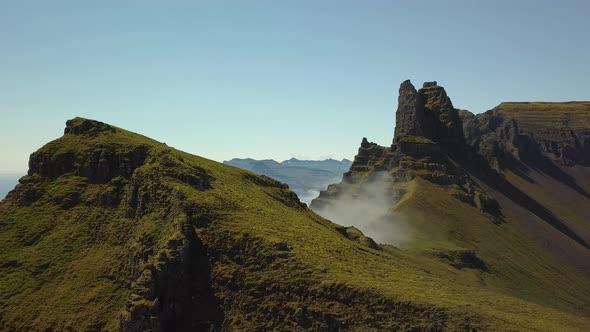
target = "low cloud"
x: 306, y: 196
x: 370, y: 209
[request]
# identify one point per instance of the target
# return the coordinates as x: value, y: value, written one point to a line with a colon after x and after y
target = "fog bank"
x: 370, y: 209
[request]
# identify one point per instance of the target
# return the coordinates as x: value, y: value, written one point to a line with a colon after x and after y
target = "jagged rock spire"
x: 427, y: 112
x: 410, y: 111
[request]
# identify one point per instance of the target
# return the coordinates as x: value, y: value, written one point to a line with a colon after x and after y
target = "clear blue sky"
x: 273, y: 79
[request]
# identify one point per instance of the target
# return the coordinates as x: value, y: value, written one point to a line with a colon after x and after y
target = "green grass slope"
x: 111, y: 230
x: 575, y: 115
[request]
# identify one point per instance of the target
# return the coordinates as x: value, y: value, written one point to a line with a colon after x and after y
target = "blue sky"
x: 273, y: 79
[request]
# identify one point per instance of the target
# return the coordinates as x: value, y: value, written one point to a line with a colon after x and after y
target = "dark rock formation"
x: 463, y: 259
x: 409, y: 118
x: 370, y: 157
x: 429, y: 113
x: 99, y: 163
x: 81, y: 126
x: 531, y: 132
x: 356, y: 235
x: 171, y: 292
x: 428, y: 141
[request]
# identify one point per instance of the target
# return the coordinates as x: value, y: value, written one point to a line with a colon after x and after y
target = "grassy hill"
x: 111, y: 230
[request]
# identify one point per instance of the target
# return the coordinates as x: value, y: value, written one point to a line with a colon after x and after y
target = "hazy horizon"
x: 268, y: 79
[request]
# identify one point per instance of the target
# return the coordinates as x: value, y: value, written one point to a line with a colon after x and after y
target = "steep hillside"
x: 505, y: 192
x: 113, y: 231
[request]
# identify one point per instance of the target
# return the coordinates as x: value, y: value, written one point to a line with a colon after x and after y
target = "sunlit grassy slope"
x: 547, y: 114
x: 89, y: 248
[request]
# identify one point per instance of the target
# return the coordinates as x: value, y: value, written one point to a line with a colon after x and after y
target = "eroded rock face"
x: 171, y: 288
x: 427, y: 112
x: 428, y: 132
x: 410, y: 111
x: 442, y: 121
x: 97, y: 162
x: 524, y: 134
x: 101, y: 164
x: 80, y: 126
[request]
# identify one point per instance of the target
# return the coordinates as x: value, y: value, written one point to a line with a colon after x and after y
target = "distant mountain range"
x: 305, y: 177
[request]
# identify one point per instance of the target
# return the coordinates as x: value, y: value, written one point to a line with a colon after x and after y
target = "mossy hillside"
x: 516, y: 264
x: 67, y: 266
x: 445, y: 226
x: 559, y: 200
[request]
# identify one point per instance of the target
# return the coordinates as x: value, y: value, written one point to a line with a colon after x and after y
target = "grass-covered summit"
x: 111, y: 230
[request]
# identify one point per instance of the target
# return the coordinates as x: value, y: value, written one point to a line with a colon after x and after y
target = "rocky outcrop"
x: 428, y: 135
x: 531, y: 133
x: 409, y: 118
x: 428, y: 112
x: 99, y: 162
x: 370, y: 157
x: 87, y: 127
x: 171, y: 288
x: 462, y: 259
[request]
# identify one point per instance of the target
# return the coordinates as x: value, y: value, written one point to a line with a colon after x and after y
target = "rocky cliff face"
x: 428, y: 112
x: 439, y: 143
x: 531, y: 132
x: 409, y: 118
x: 463, y: 152
x: 428, y: 133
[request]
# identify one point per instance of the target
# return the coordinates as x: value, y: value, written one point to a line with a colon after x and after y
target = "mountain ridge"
x: 111, y: 230
x: 516, y: 177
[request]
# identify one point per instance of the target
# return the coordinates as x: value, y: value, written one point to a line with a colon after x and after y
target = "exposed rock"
x: 172, y: 291
x: 282, y: 246
x: 442, y: 122
x: 428, y: 134
x: 409, y: 117
x: 370, y: 156
x: 531, y: 133
x: 28, y: 191
x: 265, y: 181
x: 560, y: 131
x: 429, y: 113
x: 463, y: 259
x: 111, y: 196
x: 356, y: 235
x: 26, y: 194
x: 81, y: 126
x: 99, y: 164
